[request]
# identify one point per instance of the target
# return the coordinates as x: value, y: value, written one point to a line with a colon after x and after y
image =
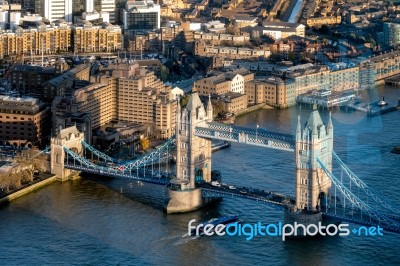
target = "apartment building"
x: 61, y: 37
x: 29, y: 79
x: 344, y: 79
x: 273, y: 91
x: 278, y: 30
x: 235, y: 102
x: 309, y: 77
x: 376, y: 68
x: 120, y: 92
x: 43, y: 39
x: 325, y: 20
x: 103, y: 38
x: 60, y: 85
x: 143, y: 98
x: 220, y: 84
x: 203, y: 49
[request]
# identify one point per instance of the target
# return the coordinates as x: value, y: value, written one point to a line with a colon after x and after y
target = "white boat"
x: 382, y: 103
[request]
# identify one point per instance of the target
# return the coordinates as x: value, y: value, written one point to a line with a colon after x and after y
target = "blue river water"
x: 118, y: 222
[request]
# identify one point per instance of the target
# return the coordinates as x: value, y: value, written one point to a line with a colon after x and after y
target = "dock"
x: 393, y: 80
x: 326, y: 98
x: 371, y: 109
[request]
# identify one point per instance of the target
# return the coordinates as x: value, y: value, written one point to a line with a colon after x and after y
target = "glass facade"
x: 142, y: 21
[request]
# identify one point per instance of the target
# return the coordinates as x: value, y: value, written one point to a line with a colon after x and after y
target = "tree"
x: 184, y: 100
x: 144, y: 144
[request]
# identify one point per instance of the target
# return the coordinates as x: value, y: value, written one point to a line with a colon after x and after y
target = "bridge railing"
x: 98, y: 153
x: 247, y: 136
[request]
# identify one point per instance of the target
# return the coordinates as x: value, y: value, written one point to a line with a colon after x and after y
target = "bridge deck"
x: 248, y: 193
x: 256, y: 137
x: 120, y: 174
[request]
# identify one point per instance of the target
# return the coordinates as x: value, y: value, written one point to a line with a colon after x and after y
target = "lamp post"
x: 257, y: 132
x: 230, y: 132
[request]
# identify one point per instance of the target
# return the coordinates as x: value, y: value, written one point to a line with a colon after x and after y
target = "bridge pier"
x: 180, y: 201
x: 193, y: 157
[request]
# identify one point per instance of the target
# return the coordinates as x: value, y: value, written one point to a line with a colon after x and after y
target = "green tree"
x: 164, y: 72
x: 184, y: 100
x: 144, y: 144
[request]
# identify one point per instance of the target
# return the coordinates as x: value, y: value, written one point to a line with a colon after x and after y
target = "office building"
x: 24, y: 121
x: 58, y: 9
x: 141, y: 16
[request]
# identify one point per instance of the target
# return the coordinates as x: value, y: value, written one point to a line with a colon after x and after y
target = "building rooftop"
x: 30, y: 68
x: 383, y: 57
x: 28, y: 104
x: 275, y: 24
x: 67, y: 75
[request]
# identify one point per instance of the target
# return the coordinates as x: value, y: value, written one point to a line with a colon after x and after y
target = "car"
x: 232, y: 187
x: 215, y: 184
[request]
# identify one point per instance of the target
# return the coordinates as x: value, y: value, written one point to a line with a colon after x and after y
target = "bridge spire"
x: 298, y: 128
x: 330, y: 124
x: 209, y: 109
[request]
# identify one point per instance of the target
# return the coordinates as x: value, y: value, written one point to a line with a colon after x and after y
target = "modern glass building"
x: 141, y: 16
x: 391, y: 34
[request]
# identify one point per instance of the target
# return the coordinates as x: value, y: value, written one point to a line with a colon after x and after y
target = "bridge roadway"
x: 343, y: 214
x: 242, y: 192
x: 247, y: 193
x: 121, y: 174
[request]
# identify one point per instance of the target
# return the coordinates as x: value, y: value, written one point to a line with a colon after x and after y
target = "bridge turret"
x: 209, y: 109
x: 70, y: 138
x: 314, y: 142
x: 298, y: 129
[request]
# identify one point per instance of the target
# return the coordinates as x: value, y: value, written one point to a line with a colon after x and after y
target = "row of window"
x: 15, y: 133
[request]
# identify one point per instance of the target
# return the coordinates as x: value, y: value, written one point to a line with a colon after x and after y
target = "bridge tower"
x: 314, y: 141
x: 71, y: 138
x: 313, y: 186
x: 193, y: 156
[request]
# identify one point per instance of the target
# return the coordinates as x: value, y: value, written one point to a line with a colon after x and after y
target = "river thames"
x: 118, y: 222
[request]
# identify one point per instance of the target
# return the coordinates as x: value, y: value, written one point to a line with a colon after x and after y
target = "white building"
x: 14, y: 19
x: 237, y: 84
x: 3, y: 19
x: 108, y: 6
x: 58, y: 9
x: 94, y: 15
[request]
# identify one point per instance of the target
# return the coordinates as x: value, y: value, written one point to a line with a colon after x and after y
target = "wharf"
x: 371, y: 109
x: 393, y: 80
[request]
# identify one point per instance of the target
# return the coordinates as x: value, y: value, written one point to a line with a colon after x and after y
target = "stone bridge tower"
x: 193, y: 156
x: 314, y: 141
x: 193, y: 153
x: 70, y: 138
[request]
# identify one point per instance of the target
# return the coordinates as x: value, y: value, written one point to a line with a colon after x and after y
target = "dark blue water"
x: 114, y: 222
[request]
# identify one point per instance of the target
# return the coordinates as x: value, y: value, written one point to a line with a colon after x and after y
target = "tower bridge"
x: 319, y: 192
